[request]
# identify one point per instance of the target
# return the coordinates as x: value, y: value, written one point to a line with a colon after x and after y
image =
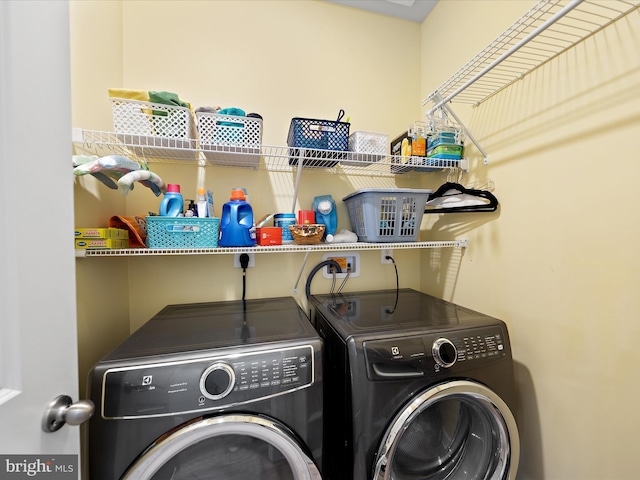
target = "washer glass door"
x: 457, y: 430
x: 229, y: 447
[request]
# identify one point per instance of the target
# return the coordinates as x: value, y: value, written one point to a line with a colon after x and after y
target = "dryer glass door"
x: 456, y: 430
x: 230, y: 447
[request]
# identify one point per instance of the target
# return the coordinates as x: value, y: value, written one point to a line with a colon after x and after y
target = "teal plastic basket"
x: 179, y: 232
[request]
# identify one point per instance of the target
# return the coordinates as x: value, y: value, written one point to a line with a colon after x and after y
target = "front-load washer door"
x: 229, y: 447
x: 457, y: 430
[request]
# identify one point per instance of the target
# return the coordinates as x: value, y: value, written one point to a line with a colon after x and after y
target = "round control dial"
x: 217, y: 381
x: 444, y: 352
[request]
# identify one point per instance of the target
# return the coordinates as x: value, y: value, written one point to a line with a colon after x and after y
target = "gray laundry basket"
x: 379, y: 215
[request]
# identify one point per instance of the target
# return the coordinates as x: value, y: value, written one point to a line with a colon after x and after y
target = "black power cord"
x: 314, y: 270
x: 244, y: 263
x: 389, y: 257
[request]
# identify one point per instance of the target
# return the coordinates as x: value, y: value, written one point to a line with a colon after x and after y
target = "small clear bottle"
x: 201, y: 203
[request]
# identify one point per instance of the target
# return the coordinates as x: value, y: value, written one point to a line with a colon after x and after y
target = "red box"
x: 269, y: 235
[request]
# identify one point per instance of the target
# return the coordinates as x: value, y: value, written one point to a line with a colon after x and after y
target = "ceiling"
x: 414, y: 10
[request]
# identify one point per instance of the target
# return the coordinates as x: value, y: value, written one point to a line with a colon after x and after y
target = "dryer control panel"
x: 422, y: 355
x: 204, y: 384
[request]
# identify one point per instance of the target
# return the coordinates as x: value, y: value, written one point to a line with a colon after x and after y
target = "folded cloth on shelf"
x: 343, y: 236
x: 165, y: 98
x: 236, y: 112
x: 140, y: 95
x: 168, y: 98
x: 208, y: 109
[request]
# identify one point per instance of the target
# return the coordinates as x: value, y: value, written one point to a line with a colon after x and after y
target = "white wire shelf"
x: 547, y: 30
x: 289, y: 248
x: 268, y: 157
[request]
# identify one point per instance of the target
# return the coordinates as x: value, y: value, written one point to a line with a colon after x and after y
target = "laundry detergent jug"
x: 325, y: 208
x: 172, y: 204
x: 236, y: 222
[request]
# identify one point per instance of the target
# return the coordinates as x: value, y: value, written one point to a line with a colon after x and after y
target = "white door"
x: 38, y: 344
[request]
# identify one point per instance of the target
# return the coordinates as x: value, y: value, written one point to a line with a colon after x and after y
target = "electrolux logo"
x: 54, y: 467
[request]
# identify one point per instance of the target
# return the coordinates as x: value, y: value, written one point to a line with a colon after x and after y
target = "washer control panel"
x: 206, y: 383
x: 480, y: 345
x: 420, y: 355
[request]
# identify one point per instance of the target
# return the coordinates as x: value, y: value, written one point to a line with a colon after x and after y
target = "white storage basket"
x: 229, y: 139
x: 229, y: 130
x: 367, y: 147
x: 151, y: 119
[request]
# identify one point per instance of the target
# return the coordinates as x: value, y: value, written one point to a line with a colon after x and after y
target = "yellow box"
x: 109, y: 232
x: 101, y: 243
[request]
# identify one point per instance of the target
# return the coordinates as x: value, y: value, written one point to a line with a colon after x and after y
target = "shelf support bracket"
x: 301, y: 155
x: 304, y: 262
x: 438, y: 99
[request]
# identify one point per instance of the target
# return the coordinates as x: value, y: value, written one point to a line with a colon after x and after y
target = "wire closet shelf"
x: 547, y: 30
x: 267, y: 157
x: 323, y: 247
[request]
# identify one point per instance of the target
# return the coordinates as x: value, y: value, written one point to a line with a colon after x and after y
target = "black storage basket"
x: 325, y: 141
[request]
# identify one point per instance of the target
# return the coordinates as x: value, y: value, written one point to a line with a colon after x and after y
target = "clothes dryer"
x: 211, y: 390
x: 415, y: 388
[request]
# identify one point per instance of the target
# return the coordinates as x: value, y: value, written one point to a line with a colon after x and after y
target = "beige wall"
x: 280, y: 59
x: 558, y: 260
x: 102, y: 289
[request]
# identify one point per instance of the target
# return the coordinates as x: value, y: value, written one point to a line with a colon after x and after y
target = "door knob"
x: 62, y: 410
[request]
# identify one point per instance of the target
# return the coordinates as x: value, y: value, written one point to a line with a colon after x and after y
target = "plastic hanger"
x: 454, y: 198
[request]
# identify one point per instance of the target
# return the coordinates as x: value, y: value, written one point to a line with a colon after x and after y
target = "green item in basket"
x: 166, y: 98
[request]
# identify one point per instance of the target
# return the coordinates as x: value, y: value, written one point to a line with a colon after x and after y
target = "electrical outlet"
x: 384, y: 253
x: 236, y: 260
x: 348, y: 261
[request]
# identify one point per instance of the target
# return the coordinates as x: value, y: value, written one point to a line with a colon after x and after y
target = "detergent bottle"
x: 172, y: 203
x: 236, y: 222
x: 325, y: 208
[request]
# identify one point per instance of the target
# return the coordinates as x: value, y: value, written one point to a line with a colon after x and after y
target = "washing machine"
x: 222, y: 390
x: 415, y: 388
